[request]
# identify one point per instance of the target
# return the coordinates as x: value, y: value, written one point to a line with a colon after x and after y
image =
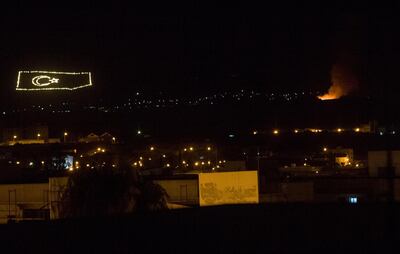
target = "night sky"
x: 201, y: 49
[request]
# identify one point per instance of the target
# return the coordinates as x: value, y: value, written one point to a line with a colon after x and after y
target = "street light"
x: 65, y: 136
x: 38, y: 135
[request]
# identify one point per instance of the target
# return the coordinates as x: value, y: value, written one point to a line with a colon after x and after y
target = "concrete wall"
x: 16, y: 197
x: 298, y: 191
x: 56, y: 188
x: 379, y: 160
x: 185, y: 191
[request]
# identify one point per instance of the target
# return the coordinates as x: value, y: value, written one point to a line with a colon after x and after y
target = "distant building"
x: 343, y: 156
x: 233, y: 166
x: 107, y: 137
x: 90, y: 138
x: 37, y: 132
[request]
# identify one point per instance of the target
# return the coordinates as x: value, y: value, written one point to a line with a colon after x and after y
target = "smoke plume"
x: 347, y: 41
x: 343, y: 80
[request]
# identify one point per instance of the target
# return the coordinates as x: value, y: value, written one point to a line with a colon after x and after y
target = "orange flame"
x: 334, y: 92
x: 343, y: 83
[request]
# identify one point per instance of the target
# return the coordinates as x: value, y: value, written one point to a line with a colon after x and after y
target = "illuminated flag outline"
x: 45, y: 79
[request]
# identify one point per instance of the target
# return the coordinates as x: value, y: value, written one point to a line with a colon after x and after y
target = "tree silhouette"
x: 109, y: 191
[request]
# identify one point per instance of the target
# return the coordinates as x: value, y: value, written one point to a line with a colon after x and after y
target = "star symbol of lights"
x: 54, y: 80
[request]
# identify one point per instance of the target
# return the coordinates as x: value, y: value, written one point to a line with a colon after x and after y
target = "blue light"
x: 353, y: 200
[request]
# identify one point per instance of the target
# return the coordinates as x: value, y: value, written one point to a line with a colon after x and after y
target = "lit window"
x: 353, y: 200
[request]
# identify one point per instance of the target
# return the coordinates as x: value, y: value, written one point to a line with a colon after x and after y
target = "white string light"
x: 51, y: 80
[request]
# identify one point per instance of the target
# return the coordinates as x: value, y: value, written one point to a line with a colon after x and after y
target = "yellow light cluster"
x: 54, y: 81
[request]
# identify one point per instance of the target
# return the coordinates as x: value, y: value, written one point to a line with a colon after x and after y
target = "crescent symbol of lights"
x: 36, y: 80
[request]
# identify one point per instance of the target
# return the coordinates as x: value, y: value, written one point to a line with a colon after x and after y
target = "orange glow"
x: 343, y: 82
x: 328, y: 97
x: 334, y: 93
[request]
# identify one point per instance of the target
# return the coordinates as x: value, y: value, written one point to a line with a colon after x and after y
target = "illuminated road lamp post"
x: 65, y: 136
x: 38, y: 136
